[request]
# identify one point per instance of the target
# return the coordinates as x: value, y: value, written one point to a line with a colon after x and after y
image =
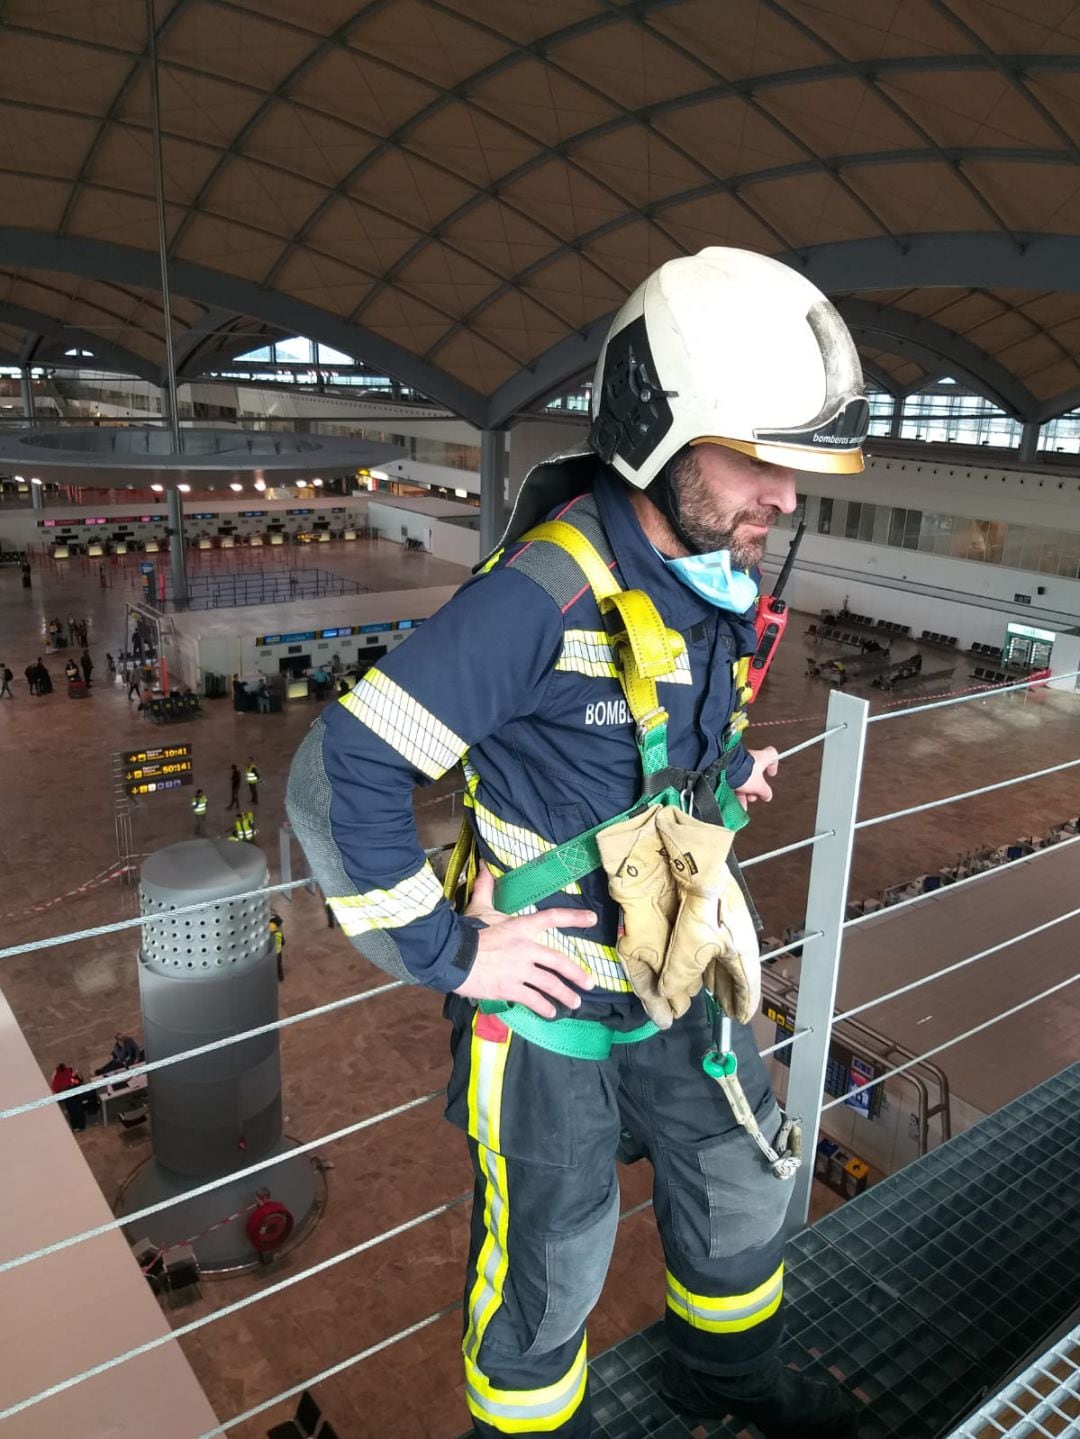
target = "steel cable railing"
x: 960, y: 964
x: 990, y: 693
x: 953, y: 885
x: 967, y: 794
x: 948, y: 1044
x: 196, y: 1191
x: 802, y: 1032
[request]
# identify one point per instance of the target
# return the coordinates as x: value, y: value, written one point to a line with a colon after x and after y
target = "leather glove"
x: 712, y: 939
x: 640, y: 882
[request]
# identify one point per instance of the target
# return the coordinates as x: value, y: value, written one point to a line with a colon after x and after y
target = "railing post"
x: 285, y: 857
x: 826, y: 902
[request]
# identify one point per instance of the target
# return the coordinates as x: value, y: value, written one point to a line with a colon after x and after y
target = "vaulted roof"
x: 461, y: 191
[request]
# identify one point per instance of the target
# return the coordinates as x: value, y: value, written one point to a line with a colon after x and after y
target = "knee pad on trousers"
x: 741, y: 1204
x: 554, y: 1289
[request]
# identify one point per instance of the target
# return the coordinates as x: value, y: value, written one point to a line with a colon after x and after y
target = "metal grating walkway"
x: 925, y: 1293
x: 1045, y: 1399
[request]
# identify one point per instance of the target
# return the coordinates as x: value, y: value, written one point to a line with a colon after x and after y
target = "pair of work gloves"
x: 686, y: 924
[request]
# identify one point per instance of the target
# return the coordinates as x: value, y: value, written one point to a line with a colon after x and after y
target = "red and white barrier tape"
x: 98, y: 879
x: 220, y: 1224
x: 889, y: 704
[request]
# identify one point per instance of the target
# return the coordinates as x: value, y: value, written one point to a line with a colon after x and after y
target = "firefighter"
x: 590, y: 680
x: 251, y: 775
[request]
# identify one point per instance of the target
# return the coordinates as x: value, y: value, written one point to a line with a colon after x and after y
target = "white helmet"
x: 728, y: 347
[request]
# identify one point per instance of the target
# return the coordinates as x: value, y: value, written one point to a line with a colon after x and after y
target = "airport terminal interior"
x: 293, y: 298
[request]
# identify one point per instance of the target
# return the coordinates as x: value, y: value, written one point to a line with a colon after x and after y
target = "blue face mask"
x: 712, y: 577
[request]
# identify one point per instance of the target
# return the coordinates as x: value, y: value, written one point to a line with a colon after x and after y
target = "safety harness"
x: 645, y: 650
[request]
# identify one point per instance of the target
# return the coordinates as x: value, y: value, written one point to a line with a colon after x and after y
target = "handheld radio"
x: 771, y: 621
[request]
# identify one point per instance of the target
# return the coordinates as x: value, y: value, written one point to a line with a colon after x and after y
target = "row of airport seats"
x: 989, y: 676
x: 975, y: 863
x: 865, y: 622
x: 931, y: 637
x: 172, y: 708
x: 986, y: 652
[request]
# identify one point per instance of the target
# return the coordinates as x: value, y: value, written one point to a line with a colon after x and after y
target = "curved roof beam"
x: 881, y: 378
x: 107, y: 355
x: 966, y: 259
x: 905, y: 333
x: 103, y: 260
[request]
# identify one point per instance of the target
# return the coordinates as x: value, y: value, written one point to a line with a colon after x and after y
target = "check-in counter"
x: 227, y: 542
x: 152, y: 547
x: 205, y: 544
x: 120, y: 548
x: 323, y: 537
x: 94, y: 550
x: 349, y: 535
x: 277, y: 539
x: 255, y: 542
x: 297, y: 689
x: 61, y: 552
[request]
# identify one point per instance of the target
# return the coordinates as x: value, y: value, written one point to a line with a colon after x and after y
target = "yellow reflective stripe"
x: 487, y: 1070
x: 411, y: 898
x: 601, y: 960
x: 404, y: 724
x: 519, y: 1411
x: 590, y: 653
x: 511, y: 843
x: 726, y: 1314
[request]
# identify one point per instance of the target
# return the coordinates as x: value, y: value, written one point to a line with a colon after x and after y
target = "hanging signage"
x: 161, y: 752
x: 844, y: 1070
x: 159, y: 769
x: 1029, y: 632
x: 137, y: 788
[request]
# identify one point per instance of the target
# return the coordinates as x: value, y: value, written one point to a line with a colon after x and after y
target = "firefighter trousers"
x: 543, y: 1132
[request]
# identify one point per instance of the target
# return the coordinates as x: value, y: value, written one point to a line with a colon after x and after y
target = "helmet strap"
x: 663, y: 492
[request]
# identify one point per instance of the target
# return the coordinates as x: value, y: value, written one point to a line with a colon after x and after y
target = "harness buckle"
x: 650, y: 721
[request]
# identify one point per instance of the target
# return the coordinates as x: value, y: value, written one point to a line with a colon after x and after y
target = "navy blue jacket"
x: 512, y: 682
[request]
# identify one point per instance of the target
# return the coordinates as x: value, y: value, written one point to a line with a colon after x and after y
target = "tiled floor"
x: 58, y: 833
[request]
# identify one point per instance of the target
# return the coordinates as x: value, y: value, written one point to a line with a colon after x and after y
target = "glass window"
x: 1013, y: 549
x: 325, y: 355
x: 800, y: 512
x: 851, y: 519
x: 897, y: 518
x: 825, y: 514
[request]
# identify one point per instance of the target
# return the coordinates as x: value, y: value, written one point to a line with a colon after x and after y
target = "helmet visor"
x: 794, y: 457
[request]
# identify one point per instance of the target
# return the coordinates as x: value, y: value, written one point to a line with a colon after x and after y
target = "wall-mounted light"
x: 19, y: 480
x: 157, y: 489
x: 316, y: 482
x: 184, y: 489
x: 260, y: 484
x: 34, y: 480
x: 234, y: 486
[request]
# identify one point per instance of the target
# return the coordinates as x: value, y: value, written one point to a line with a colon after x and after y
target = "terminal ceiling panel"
x: 462, y: 191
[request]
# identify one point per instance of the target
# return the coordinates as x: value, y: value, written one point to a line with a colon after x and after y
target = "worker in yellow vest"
x: 250, y: 832
x: 251, y: 774
x: 277, y: 935
x: 198, y: 809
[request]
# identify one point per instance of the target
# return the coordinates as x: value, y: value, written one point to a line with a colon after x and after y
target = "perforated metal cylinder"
x: 203, y: 977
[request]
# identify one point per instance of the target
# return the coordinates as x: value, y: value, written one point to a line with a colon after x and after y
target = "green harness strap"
x: 570, y: 1037
x: 644, y: 652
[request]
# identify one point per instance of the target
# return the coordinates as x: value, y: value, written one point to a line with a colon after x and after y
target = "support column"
x: 176, y: 549
x: 163, y: 255
x: 897, y: 417
x: 492, y: 482
x: 26, y: 387
x: 1029, y: 441
x: 37, y: 496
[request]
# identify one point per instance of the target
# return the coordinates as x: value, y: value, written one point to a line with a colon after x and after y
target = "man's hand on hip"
x: 756, y: 786
x: 511, y: 963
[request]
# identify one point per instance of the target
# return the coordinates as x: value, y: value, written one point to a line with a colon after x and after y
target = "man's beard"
x: 709, y: 527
